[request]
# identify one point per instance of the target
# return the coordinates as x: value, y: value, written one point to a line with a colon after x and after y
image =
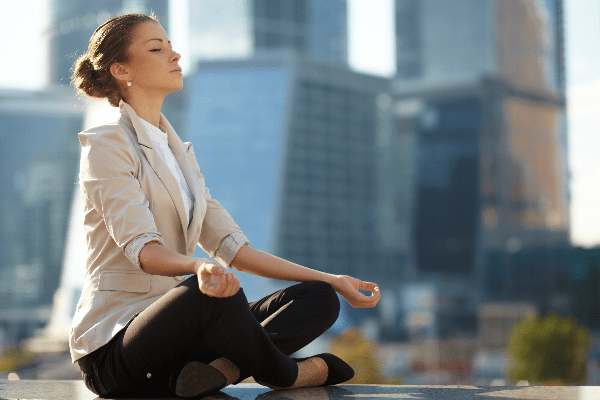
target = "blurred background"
x: 446, y: 150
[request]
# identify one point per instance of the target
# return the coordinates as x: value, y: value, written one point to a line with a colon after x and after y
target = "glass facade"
x: 438, y: 42
x: 287, y: 148
x: 528, y: 51
x: 236, y: 124
x: 480, y: 94
x: 538, y: 181
x: 38, y: 169
x: 441, y: 41
x: 447, y: 189
x: 329, y: 189
x: 239, y: 28
x: 309, y: 27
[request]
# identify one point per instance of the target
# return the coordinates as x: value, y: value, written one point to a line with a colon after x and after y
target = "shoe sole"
x: 196, y: 379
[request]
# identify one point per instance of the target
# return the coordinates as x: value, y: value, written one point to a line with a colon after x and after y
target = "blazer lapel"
x: 158, y: 165
x: 180, y: 153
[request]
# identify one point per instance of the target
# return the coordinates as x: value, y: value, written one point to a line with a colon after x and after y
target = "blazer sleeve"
x: 109, y: 182
x: 221, y: 238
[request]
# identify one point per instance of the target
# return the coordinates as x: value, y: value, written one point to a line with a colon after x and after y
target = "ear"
x: 120, y: 72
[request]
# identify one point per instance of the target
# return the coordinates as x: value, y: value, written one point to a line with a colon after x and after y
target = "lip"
x: 178, y: 70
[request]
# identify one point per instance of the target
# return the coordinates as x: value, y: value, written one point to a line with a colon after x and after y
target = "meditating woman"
x: 140, y: 327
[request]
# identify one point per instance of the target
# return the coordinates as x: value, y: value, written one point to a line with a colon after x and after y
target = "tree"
x: 360, y: 354
x: 548, y: 350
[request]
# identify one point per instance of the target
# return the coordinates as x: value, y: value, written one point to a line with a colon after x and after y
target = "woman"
x: 139, y: 326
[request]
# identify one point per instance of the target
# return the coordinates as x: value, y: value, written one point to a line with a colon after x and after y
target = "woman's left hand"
x: 348, y: 287
x: 214, y: 281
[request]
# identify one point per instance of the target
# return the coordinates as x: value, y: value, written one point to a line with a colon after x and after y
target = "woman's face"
x: 152, y: 62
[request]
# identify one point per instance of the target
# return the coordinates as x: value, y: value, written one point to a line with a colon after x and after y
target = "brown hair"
x: 109, y: 44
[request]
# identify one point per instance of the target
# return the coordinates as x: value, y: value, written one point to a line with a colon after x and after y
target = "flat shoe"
x: 338, y: 370
x: 196, y: 379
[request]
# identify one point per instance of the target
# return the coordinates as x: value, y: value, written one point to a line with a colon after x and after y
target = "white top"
x: 160, y: 140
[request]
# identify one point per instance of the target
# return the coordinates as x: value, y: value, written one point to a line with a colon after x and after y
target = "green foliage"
x: 548, y: 350
x: 14, y: 358
x: 359, y: 353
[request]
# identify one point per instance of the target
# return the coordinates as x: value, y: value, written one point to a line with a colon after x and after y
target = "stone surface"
x: 76, y: 390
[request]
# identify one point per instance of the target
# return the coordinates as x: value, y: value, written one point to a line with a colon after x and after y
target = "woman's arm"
x: 257, y: 262
x: 156, y: 259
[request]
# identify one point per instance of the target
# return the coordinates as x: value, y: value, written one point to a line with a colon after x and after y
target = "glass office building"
x: 479, y: 99
x: 520, y: 41
x: 287, y: 147
x: 239, y: 28
x: 38, y: 170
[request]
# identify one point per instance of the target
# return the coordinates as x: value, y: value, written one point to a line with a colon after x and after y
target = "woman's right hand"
x: 349, y: 288
x: 214, y: 281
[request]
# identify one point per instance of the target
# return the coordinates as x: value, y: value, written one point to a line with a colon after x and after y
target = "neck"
x: 146, y: 107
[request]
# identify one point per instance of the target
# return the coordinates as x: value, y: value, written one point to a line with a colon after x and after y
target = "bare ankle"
x: 311, y: 372
x: 227, y: 368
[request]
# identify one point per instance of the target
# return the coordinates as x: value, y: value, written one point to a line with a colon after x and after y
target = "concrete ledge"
x: 76, y: 390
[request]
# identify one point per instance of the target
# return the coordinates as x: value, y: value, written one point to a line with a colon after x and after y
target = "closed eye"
x: 156, y: 50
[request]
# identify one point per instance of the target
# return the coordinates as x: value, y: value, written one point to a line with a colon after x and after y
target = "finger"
x: 367, y: 286
x: 364, y: 301
x: 209, y: 289
x: 222, y: 288
x: 237, y: 285
x: 215, y: 269
x: 373, y: 299
x: 233, y: 285
x: 225, y: 283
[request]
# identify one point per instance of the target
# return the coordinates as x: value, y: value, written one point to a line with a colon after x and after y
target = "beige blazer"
x: 129, y: 192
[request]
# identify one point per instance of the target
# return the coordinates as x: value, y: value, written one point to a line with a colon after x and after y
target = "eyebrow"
x: 160, y: 40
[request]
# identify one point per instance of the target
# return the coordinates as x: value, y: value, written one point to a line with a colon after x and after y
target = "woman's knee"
x: 328, y: 302
x: 195, y: 298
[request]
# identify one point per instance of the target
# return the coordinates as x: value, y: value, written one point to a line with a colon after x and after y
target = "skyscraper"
x: 239, y: 28
x: 38, y: 170
x: 287, y: 146
x: 520, y: 42
x: 479, y: 97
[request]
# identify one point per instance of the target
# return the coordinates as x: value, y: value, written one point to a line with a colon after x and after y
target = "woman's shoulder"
x: 112, y: 134
x: 105, y: 144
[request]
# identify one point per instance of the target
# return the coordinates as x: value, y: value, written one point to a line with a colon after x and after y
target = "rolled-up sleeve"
x: 229, y: 248
x: 221, y: 237
x: 108, y: 180
x: 133, y: 248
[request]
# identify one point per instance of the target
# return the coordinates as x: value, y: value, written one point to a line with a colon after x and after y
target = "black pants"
x: 186, y: 325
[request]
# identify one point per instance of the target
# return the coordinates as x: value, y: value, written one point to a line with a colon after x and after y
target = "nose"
x: 175, y: 57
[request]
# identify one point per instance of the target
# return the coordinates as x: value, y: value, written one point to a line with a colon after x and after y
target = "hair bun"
x: 109, y: 44
x: 85, y: 76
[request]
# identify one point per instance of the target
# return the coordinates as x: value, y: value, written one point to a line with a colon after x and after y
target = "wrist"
x: 196, y: 266
x: 333, y: 280
x: 201, y: 263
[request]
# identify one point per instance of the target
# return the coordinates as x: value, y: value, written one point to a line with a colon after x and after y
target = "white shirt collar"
x: 156, y: 135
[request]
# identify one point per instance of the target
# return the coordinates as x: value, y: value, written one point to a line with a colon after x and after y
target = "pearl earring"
x: 128, y: 83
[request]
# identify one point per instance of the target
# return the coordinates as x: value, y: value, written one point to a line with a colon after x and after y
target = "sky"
x: 23, y: 65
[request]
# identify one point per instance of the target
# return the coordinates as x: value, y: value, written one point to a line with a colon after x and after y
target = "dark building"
x: 478, y: 102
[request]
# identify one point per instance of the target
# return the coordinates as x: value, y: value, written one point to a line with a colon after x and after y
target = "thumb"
x: 214, y: 269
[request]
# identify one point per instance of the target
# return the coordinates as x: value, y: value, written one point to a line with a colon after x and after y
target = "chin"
x: 175, y: 88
